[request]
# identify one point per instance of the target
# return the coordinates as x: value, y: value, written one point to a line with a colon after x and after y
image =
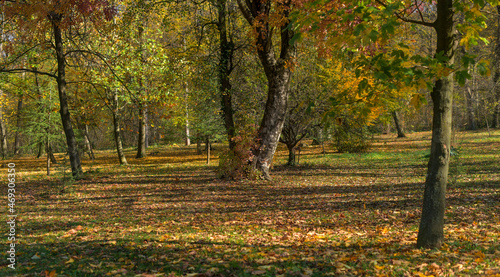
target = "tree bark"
x: 431, y: 233
x: 225, y: 68
x: 278, y: 77
x: 471, y: 117
x: 17, y: 137
x: 74, y: 156
x: 399, y: 127
x: 141, y: 142
x: 40, y: 150
x: 117, y: 129
x: 3, y: 136
x: 50, y: 153
x: 198, y: 146
x: 3, y: 130
x: 188, y: 135
x: 207, y: 143
x: 496, y: 76
x: 291, y: 155
x: 88, y: 144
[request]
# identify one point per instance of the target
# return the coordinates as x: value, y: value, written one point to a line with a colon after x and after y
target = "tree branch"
x: 24, y: 70
x: 101, y: 57
x: 245, y: 10
x: 408, y: 20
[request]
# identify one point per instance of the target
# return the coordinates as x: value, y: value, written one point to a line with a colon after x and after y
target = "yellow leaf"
x: 50, y: 274
x: 69, y: 261
x: 420, y: 274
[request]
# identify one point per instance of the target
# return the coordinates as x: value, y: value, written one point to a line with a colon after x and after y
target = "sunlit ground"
x: 334, y: 214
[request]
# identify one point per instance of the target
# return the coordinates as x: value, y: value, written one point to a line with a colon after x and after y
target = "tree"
x: 76, y: 166
x: 3, y: 128
x: 42, y: 127
x: 225, y: 67
x: 115, y: 110
x: 397, y: 122
x: 374, y: 22
x: 496, y: 75
x: 41, y: 17
x: 265, y: 17
x: 308, y: 102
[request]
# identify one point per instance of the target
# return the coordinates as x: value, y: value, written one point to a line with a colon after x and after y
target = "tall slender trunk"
x: 117, y: 130
x: 186, y: 98
x: 17, y: 136
x: 225, y: 68
x: 143, y: 110
x: 3, y: 125
x: 278, y: 76
x: 399, y: 127
x: 74, y: 156
x: 291, y: 155
x: 471, y: 117
x: 496, y: 76
x: 50, y: 153
x: 146, y: 130
x: 208, y: 149
x: 40, y: 150
x: 88, y: 144
x: 141, y: 142
x: 3, y: 132
x: 198, y: 146
x: 431, y: 233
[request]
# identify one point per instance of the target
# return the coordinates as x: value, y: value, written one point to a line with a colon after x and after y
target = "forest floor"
x: 332, y: 215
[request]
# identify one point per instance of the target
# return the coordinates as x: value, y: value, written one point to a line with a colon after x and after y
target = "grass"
x: 332, y: 215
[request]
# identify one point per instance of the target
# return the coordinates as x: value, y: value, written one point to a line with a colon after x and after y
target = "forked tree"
x: 269, y: 18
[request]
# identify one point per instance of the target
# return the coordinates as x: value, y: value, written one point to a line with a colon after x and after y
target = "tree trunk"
x: 431, y: 233
x: 278, y: 75
x: 40, y: 150
x: 188, y: 135
x: 47, y: 145
x: 117, y: 130
x: 496, y: 113
x: 3, y: 130
x: 198, y: 146
x: 141, y: 142
x: 272, y: 123
x: 399, y: 128
x: 3, y: 125
x: 74, y: 156
x: 3, y: 137
x: 48, y: 165
x: 496, y: 76
x: 88, y: 144
x: 225, y: 68
x: 208, y: 150
x: 17, y: 138
x: 291, y: 155
x: 50, y: 154
x: 471, y: 117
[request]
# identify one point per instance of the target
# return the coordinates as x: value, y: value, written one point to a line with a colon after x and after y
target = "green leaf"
x: 462, y: 76
x: 297, y: 37
x: 373, y: 35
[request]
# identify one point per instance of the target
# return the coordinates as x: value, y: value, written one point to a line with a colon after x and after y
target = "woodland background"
x: 299, y: 130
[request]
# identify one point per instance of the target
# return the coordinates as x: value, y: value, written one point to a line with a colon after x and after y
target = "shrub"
x: 236, y: 164
x: 349, y: 138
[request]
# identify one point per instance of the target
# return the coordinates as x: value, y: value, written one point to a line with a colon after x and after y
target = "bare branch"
x: 408, y: 20
x: 24, y: 70
x: 102, y: 58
